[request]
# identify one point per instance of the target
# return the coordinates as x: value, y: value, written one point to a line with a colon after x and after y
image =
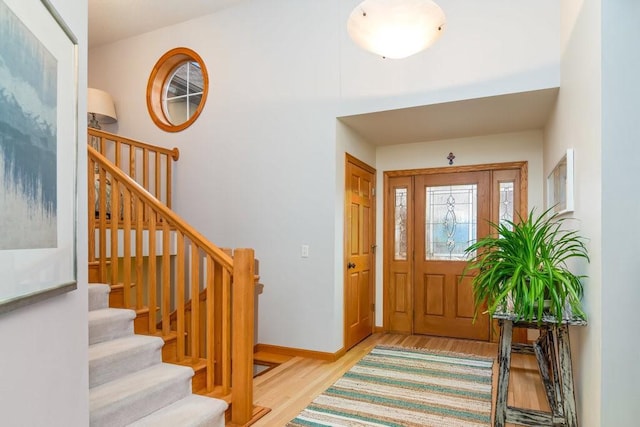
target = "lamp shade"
x: 101, y: 104
x: 396, y: 28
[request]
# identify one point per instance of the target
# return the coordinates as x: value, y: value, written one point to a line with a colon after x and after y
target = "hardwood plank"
x: 290, y: 387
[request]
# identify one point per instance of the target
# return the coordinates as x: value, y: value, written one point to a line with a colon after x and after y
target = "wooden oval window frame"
x: 163, y: 70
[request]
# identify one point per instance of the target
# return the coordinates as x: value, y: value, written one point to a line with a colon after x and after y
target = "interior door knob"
x: 351, y: 265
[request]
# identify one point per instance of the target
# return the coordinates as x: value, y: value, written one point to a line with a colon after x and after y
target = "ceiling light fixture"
x: 396, y: 28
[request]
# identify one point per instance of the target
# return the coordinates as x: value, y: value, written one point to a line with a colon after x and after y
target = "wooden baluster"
x: 210, y: 316
x: 195, y: 303
x: 115, y: 210
x: 168, y: 183
x: 132, y: 162
x: 166, y: 279
x: 145, y: 173
x: 225, y: 332
x: 180, y: 311
x: 158, y: 186
x: 140, y: 256
x: 118, y: 154
x: 102, y: 186
x: 126, y: 248
x: 91, y: 220
x: 151, y: 275
x: 132, y: 174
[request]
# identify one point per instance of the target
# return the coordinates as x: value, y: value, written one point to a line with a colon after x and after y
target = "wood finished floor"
x: 290, y: 387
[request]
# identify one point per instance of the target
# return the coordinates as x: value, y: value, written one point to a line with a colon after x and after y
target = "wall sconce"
x: 396, y: 28
x: 100, y: 108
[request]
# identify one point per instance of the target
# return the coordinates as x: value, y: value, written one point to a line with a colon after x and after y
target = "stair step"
x: 116, y: 358
x: 98, y: 296
x: 191, y: 411
x: 110, y: 323
x: 137, y: 395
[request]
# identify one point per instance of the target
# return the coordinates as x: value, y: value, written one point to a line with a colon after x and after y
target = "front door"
x: 359, y: 251
x: 452, y: 210
x: 431, y: 217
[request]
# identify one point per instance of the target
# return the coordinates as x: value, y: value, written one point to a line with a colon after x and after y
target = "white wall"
x: 576, y: 123
x: 263, y: 165
x: 43, y: 361
x: 620, y: 205
x: 507, y: 147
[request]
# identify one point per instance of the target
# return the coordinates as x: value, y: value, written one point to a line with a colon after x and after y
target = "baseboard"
x: 378, y: 329
x: 299, y: 352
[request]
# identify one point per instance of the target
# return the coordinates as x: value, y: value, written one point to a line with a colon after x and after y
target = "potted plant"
x: 523, y: 265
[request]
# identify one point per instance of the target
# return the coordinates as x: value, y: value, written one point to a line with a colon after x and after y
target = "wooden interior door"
x: 359, y: 251
x: 451, y: 211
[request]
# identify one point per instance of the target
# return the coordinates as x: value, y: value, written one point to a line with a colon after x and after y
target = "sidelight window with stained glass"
x: 505, y: 210
x: 400, y: 224
x: 450, y: 221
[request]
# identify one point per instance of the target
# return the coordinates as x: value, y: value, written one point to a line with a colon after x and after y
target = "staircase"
x: 191, y: 302
x: 129, y: 384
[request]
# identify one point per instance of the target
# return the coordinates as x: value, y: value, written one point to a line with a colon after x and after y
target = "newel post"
x: 242, y: 332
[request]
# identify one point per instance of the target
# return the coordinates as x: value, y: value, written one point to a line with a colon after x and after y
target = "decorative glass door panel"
x: 451, y: 221
x: 505, y: 209
x: 400, y: 224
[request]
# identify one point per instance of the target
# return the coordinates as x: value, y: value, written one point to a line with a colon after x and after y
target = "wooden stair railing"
x: 135, y: 238
x: 148, y: 165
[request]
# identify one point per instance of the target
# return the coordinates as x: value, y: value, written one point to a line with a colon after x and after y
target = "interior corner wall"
x: 347, y: 142
x: 500, y: 148
x: 576, y: 123
x: 620, y: 206
x: 44, y: 355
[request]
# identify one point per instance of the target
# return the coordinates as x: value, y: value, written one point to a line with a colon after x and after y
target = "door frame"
x: 345, y: 272
x: 522, y: 166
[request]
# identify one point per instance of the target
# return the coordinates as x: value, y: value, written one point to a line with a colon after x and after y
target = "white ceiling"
x: 473, y: 117
x: 112, y: 20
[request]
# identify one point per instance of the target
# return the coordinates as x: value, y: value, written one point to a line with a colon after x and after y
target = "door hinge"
x: 373, y: 248
x: 373, y: 306
x: 373, y: 191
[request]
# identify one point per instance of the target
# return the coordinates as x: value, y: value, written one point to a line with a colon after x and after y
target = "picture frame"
x: 560, y: 185
x: 38, y: 153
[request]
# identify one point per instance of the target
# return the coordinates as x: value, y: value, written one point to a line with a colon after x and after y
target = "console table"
x: 553, y: 353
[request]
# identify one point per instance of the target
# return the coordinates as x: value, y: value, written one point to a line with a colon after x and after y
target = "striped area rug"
x: 402, y: 387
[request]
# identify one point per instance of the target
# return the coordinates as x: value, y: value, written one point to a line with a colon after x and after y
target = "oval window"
x: 177, y: 89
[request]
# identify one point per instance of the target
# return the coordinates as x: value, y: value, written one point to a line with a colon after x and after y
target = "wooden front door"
x: 451, y: 211
x: 359, y: 251
x: 431, y: 217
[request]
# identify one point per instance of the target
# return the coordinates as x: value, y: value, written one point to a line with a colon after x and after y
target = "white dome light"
x: 396, y: 28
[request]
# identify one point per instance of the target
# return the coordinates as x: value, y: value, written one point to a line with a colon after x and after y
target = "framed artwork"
x: 560, y: 185
x: 38, y: 153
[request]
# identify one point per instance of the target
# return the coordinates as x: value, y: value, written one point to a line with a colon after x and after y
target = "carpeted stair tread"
x: 191, y: 411
x: 112, y: 359
x: 110, y: 323
x: 137, y: 395
x: 98, y: 296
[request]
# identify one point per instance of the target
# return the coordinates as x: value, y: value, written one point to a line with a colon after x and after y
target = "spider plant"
x: 523, y: 264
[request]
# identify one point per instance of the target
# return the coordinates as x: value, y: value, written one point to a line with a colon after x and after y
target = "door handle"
x: 351, y: 265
